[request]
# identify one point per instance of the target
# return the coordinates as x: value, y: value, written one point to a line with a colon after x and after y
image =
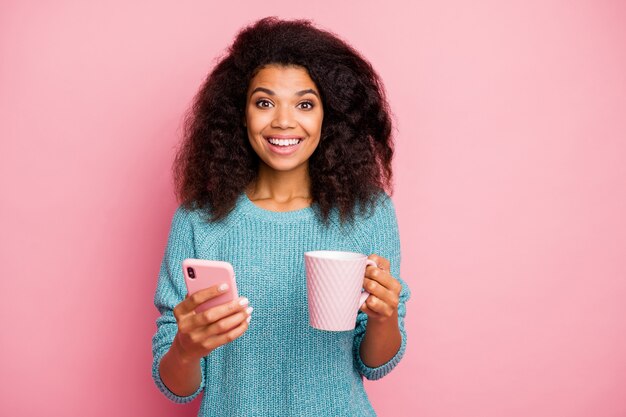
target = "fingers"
x: 384, y: 289
x: 220, y: 327
x: 200, y: 333
x: 381, y: 293
x: 227, y: 337
x: 382, y: 273
x: 218, y: 313
x: 203, y: 341
x: 228, y: 323
x: 378, y: 308
x: 383, y: 278
x: 189, y: 304
x: 382, y: 263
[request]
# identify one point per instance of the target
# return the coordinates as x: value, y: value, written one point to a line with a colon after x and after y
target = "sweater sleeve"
x: 170, y: 291
x: 381, y: 231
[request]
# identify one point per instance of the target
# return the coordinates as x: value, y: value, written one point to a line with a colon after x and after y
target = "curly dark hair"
x: 352, y: 163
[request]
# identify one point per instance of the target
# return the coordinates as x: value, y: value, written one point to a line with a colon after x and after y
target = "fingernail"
x: 249, y: 310
x: 222, y: 287
x: 243, y: 301
x: 248, y: 319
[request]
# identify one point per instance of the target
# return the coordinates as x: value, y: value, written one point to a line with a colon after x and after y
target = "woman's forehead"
x: 282, y: 78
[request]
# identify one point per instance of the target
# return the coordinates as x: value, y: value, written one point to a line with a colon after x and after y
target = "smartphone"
x: 201, y: 274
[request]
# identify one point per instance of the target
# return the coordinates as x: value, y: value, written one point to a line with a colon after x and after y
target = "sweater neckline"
x: 253, y: 210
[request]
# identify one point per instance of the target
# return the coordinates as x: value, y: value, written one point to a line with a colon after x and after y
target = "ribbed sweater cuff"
x: 384, y: 369
x: 166, y: 391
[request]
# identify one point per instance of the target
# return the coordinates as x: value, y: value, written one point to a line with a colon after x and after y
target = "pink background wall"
x: 510, y: 192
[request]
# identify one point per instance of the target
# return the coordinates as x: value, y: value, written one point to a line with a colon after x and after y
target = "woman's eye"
x: 308, y: 104
x: 262, y: 103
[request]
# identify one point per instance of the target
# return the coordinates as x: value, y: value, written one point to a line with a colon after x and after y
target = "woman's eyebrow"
x: 271, y: 93
x: 310, y: 90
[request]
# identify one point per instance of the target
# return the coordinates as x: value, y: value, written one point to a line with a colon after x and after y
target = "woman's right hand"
x: 200, y: 333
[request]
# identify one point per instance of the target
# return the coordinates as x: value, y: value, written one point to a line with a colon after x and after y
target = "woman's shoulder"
x: 375, y: 210
x: 196, y: 218
x: 186, y: 214
x: 193, y: 212
x: 194, y: 224
x: 378, y: 205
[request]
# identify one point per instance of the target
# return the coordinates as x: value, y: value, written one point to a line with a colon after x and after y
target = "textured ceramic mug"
x: 335, y: 288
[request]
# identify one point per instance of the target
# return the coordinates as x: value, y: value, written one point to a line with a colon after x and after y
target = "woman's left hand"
x: 382, y: 304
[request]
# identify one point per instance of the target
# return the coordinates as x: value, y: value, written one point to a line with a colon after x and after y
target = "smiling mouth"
x: 284, y: 142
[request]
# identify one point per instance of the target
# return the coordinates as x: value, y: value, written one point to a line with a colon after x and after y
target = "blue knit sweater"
x: 281, y: 366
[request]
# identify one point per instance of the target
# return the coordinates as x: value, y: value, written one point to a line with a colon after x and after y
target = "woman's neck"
x: 280, y: 187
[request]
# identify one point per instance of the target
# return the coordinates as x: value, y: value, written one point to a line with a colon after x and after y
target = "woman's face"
x: 284, y: 117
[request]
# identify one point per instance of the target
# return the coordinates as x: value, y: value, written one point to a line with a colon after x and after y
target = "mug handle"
x: 366, y: 294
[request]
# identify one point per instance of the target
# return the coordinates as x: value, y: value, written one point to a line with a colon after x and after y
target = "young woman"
x: 287, y: 149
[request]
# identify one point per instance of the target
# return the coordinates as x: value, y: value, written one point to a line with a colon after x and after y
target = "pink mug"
x: 335, y: 288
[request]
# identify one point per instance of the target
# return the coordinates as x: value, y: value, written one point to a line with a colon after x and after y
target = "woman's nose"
x: 283, y: 118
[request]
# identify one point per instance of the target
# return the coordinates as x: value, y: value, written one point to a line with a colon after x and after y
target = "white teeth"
x: 283, y: 142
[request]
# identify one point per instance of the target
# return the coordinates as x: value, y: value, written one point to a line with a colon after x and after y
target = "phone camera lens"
x: 191, y: 272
